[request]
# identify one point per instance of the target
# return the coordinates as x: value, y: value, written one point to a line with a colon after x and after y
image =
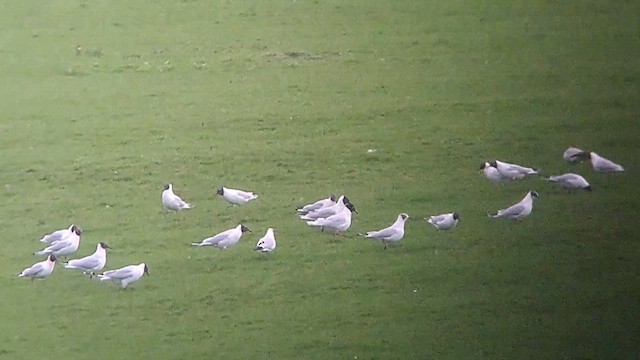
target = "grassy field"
x: 103, y: 102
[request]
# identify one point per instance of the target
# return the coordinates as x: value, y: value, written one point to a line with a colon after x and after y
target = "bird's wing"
x: 89, y: 262
x: 57, y: 246
x: 217, y: 238
x: 438, y: 218
x: 33, y: 270
x: 382, y: 234
x: 514, y: 210
x: 121, y: 273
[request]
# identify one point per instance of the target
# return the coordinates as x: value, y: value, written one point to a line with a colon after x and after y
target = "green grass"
x: 285, y: 98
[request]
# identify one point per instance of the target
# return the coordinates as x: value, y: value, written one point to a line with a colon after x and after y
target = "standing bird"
x: 331, y: 200
x: 92, y: 263
x: 444, y: 221
x: 325, y: 212
x: 58, y: 235
x: 224, y: 239
x: 574, y: 155
x: 393, y: 233
x: 601, y: 164
x: 65, y: 246
x: 267, y: 243
x: 41, y: 269
x: 172, y: 201
x: 125, y: 275
x: 236, y: 197
x: 570, y: 181
x: 518, y: 211
x: 339, y: 223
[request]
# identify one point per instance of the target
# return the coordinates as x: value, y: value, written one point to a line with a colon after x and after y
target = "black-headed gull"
x: 224, y: 239
x: 65, y: 246
x: 574, y: 155
x: 40, y: 270
x: 393, y: 233
x: 601, y: 164
x: 512, y: 171
x: 570, y: 181
x: 92, y: 263
x: 491, y: 171
x: 57, y: 235
x: 125, y: 275
x: 444, y: 221
x: 338, y: 223
x: 267, y: 243
x: 325, y: 212
x: 331, y: 200
x: 519, y: 210
x: 171, y: 201
x: 235, y: 196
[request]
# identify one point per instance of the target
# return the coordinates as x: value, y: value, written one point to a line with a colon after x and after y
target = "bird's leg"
x: 385, y: 244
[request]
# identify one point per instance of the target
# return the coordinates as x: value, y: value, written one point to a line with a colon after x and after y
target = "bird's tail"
x: 103, y: 277
x: 363, y: 235
x: 305, y: 217
x: 40, y: 253
x: 196, y: 244
x: 313, y: 223
x: 492, y: 215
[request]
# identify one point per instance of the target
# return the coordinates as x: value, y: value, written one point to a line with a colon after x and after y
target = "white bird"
x: 224, y: 239
x: 519, y: 210
x: 65, y: 246
x: 338, y: 223
x: 570, y: 181
x: 267, y: 243
x: 601, y: 164
x: 235, y: 196
x: 444, y: 221
x: 92, y: 263
x: 491, y: 172
x: 325, y: 212
x: 574, y: 155
x: 171, y: 201
x: 512, y: 171
x: 125, y: 275
x: 331, y: 200
x: 57, y: 235
x: 40, y: 270
x: 393, y: 233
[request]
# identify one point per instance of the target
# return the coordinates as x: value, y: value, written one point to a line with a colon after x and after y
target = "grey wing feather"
x: 33, y: 270
x: 85, y: 263
x: 512, y: 211
x: 382, y: 234
x: 57, y: 246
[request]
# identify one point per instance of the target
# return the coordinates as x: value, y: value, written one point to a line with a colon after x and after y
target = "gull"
x: 491, y: 172
x: 601, y: 164
x: 393, y: 233
x: 570, y: 181
x: 63, y: 247
x: 444, y: 221
x: 574, y: 155
x: 331, y: 200
x: 339, y: 222
x: 325, y: 212
x: 519, y: 210
x: 172, y: 201
x: 57, y: 235
x: 40, y: 270
x: 92, y: 263
x: 267, y: 243
x: 224, y: 239
x: 125, y: 275
x: 512, y: 171
x: 235, y: 196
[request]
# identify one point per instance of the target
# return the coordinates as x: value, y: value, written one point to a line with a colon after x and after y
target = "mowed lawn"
x: 394, y: 103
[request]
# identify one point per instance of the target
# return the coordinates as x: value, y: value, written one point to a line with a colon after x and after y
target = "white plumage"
x: 570, y: 181
x: 40, y: 270
x: 92, y: 263
x: 601, y: 164
x: 444, y: 221
x: 267, y: 243
x: 393, y: 233
x: 235, y: 196
x: 519, y: 210
x: 65, y: 246
x: 224, y: 239
x: 171, y: 201
x: 125, y: 275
